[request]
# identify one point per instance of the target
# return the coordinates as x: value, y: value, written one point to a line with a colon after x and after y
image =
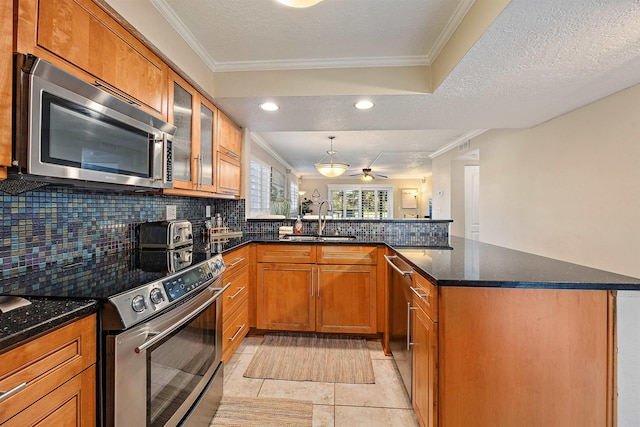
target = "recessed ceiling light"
x: 269, y: 106
x: 364, y: 105
x: 299, y: 3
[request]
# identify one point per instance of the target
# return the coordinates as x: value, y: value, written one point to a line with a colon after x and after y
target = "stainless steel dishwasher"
x: 400, y: 279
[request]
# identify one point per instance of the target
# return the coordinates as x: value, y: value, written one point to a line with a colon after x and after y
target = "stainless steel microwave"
x: 70, y: 132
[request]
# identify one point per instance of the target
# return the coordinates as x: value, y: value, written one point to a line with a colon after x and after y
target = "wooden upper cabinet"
x: 229, y: 152
x: 182, y: 105
x: 229, y: 137
x: 6, y: 69
x: 195, y: 119
x: 80, y: 37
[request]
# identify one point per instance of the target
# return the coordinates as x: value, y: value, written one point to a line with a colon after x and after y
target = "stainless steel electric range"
x: 160, y: 330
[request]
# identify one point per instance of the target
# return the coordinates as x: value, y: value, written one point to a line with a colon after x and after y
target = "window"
x: 293, y: 197
x: 361, y: 202
x: 260, y: 188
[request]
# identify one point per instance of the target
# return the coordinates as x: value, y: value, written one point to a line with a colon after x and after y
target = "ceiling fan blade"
x: 381, y: 176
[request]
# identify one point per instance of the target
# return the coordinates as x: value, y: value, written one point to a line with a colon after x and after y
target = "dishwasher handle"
x: 395, y: 267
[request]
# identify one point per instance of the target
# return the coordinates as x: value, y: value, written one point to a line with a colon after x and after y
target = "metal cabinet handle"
x: 395, y: 267
x: 240, y: 328
x: 7, y: 394
x: 418, y: 294
x: 121, y: 94
x: 231, y: 153
x: 409, y: 308
x: 235, y: 263
x: 318, y: 282
x: 237, y: 293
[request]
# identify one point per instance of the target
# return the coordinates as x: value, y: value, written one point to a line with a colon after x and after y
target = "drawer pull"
x: 395, y: 267
x: 240, y: 328
x: 237, y: 293
x: 235, y: 263
x: 421, y: 296
x: 7, y: 394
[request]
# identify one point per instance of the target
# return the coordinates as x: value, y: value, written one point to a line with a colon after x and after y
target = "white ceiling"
x: 539, y: 59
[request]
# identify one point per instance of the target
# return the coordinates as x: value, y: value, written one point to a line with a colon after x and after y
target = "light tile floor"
x: 383, y: 404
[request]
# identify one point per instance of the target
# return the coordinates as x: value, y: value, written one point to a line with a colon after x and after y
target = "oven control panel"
x: 145, y: 301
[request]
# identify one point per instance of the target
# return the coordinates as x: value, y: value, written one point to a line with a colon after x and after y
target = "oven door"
x: 167, y: 370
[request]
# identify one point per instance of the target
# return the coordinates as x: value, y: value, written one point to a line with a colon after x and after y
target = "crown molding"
x: 449, y: 29
x: 265, y: 145
x: 177, y: 24
x: 453, y: 144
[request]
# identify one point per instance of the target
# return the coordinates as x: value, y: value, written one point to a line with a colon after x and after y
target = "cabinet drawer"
x: 345, y: 254
x: 236, y: 293
x: 45, y: 363
x: 425, y: 294
x: 235, y: 260
x: 289, y: 253
x: 72, y: 404
x: 234, y: 330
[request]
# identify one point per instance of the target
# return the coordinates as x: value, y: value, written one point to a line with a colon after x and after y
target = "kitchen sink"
x: 316, y: 238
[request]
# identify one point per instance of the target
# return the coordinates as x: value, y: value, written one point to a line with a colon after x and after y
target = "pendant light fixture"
x: 331, y: 168
x: 299, y: 3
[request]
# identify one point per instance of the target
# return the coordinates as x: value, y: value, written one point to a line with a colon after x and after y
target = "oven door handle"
x: 159, y: 336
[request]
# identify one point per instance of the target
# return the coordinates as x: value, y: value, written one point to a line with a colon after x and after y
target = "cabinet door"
x: 228, y: 156
x: 79, y: 36
x: 229, y: 137
x: 6, y: 79
x: 181, y: 114
x: 424, y: 338
x: 346, y: 299
x: 228, y: 175
x: 204, y: 179
x: 285, y: 297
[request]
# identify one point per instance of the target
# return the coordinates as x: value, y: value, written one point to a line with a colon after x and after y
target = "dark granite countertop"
x: 473, y: 264
x: 452, y: 262
x: 461, y: 262
x: 42, y: 315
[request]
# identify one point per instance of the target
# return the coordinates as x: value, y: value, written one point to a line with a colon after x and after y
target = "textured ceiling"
x: 539, y: 59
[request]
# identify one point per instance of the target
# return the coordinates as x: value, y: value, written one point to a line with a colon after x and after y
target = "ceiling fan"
x: 367, y: 175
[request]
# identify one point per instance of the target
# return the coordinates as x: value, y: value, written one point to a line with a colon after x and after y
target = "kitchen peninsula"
x: 515, y: 331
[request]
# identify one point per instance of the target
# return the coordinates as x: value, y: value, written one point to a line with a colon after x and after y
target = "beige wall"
x: 568, y: 188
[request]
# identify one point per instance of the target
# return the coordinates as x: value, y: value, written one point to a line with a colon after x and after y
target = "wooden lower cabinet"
x: 324, y: 298
x: 346, y: 299
x: 235, y: 301
x: 73, y: 404
x: 60, y: 376
x: 525, y: 357
x: 286, y: 297
x: 424, y: 337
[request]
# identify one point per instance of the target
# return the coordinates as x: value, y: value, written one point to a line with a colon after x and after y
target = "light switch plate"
x: 208, y: 212
x: 171, y: 211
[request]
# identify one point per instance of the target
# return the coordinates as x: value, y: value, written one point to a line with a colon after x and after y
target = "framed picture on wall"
x: 409, y: 198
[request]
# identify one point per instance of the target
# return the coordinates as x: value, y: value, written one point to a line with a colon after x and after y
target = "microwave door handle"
x: 157, y: 170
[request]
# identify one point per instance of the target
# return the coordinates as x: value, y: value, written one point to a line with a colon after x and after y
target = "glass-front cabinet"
x: 207, y: 145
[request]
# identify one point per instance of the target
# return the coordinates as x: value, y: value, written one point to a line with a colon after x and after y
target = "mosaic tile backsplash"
x: 60, y: 224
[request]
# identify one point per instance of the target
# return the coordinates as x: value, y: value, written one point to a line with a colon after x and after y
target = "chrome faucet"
x: 329, y: 209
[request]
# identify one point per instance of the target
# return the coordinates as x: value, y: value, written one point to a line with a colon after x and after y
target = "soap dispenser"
x: 297, y: 228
